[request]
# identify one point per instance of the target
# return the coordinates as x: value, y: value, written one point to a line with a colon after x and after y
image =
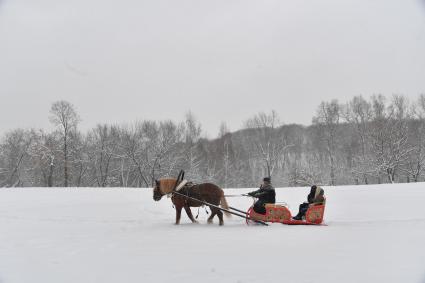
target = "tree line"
x: 363, y: 141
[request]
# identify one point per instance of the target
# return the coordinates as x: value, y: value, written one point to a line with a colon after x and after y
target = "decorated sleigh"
x: 276, y: 213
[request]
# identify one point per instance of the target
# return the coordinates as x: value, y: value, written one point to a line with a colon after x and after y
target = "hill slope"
x: 374, y: 234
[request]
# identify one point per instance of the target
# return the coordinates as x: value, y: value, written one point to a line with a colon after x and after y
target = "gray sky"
x: 119, y: 61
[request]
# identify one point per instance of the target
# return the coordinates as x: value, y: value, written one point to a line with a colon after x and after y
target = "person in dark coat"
x: 315, y: 197
x: 266, y: 194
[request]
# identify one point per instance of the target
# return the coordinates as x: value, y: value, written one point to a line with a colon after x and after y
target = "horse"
x: 206, y: 192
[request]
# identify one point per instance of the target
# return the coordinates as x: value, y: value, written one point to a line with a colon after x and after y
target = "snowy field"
x: 374, y: 234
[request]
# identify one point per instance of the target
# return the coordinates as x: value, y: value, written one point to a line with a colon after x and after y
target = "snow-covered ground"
x: 374, y: 234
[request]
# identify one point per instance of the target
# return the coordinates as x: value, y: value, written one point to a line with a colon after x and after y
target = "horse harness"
x: 189, y: 189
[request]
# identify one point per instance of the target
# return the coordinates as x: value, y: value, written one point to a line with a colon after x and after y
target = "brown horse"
x: 206, y: 192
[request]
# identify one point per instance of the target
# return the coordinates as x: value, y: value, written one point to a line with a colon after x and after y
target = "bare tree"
x: 104, y: 144
x: 163, y: 145
x: 133, y: 146
x: 390, y: 135
x: 14, y: 151
x: 64, y: 116
x: 227, y: 164
x: 267, y: 139
x: 223, y: 130
x: 358, y: 112
x: 416, y: 162
x: 192, y: 135
x: 225, y: 137
x: 327, y: 119
x: 44, y: 152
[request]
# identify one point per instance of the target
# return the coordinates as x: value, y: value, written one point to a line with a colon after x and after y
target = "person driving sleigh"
x: 266, y: 194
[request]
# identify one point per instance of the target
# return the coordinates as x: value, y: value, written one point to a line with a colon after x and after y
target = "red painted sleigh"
x: 276, y: 213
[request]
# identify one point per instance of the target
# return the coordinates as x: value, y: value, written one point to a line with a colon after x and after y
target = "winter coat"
x: 266, y: 194
x: 316, y: 196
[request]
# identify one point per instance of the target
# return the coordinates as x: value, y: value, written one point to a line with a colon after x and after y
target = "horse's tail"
x: 225, y: 205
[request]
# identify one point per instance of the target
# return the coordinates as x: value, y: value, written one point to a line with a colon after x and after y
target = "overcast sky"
x: 120, y: 61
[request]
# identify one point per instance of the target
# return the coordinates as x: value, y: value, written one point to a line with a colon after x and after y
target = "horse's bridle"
x: 157, y: 188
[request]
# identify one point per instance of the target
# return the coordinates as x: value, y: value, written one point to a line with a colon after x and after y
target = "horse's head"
x: 157, y: 195
x: 163, y: 187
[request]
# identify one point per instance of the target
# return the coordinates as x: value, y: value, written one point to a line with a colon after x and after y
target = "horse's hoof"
x: 195, y: 222
x: 210, y: 222
x: 221, y: 223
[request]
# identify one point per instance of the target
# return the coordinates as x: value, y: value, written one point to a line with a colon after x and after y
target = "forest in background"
x: 363, y: 141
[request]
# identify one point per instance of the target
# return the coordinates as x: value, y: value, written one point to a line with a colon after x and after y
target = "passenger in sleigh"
x: 266, y: 194
x: 315, y: 197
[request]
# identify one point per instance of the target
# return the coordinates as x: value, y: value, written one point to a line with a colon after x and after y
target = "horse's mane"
x: 167, y: 185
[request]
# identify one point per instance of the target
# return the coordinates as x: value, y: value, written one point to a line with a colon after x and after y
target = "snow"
x: 374, y: 234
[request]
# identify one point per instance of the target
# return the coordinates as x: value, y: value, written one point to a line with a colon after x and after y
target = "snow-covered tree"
x: 358, y: 113
x: 390, y: 135
x: 267, y: 142
x: 66, y: 119
x: 327, y: 120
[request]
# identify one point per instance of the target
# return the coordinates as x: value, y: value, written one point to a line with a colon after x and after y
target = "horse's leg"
x: 189, y: 213
x: 213, y: 213
x: 178, y: 214
x: 220, y: 216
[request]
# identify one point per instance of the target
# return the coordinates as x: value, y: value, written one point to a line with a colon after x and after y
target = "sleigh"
x: 276, y: 213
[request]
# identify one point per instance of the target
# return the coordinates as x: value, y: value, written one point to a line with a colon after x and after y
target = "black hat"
x: 267, y: 179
